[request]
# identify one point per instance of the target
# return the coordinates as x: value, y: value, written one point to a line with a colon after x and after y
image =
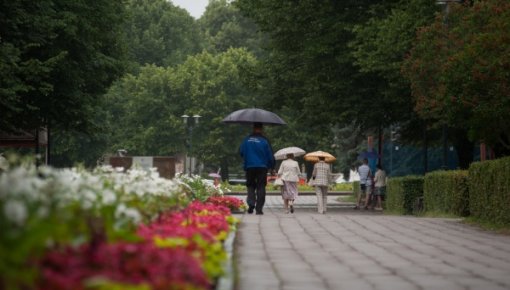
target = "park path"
x: 348, y: 249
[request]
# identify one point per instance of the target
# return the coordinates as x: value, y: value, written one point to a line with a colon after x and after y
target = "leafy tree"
x: 225, y: 27
x: 380, y: 46
x: 459, y: 71
x: 56, y: 58
x: 146, y: 109
x: 157, y: 32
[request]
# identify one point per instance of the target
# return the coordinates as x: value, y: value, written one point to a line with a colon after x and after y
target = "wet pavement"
x: 353, y: 249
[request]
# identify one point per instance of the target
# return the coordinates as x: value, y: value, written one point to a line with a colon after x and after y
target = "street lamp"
x: 446, y: 4
x: 190, y: 123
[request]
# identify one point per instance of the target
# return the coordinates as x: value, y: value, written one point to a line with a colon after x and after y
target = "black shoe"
x: 259, y: 212
x: 250, y: 209
x: 291, y: 209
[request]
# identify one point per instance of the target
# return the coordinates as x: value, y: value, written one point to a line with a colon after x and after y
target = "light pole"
x: 446, y: 4
x: 190, y: 123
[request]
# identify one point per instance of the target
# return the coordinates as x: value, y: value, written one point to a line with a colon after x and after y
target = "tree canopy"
x: 56, y: 58
x: 458, y: 69
x: 157, y: 32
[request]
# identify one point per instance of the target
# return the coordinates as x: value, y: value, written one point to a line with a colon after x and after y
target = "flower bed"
x: 75, y: 229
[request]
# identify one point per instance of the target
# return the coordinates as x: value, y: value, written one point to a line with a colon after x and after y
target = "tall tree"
x: 310, y: 68
x: 459, y: 71
x: 157, y: 32
x: 225, y: 27
x: 56, y: 58
x: 147, y: 107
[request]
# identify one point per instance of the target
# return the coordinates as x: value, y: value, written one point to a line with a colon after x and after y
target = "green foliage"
x: 489, y: 191
x: 145, y: 110
x: 355, y: 188
x: 446, y: 192
x: 379, y: 47
x: 159, y: 33
x: 225, y: 27
x: 309, y: 71
x: 56, y: 58
x: 458, y: 69
x: 402, y: 193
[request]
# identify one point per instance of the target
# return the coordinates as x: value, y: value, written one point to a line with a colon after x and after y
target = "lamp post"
x: 190, y: 123
x: 446, y: 4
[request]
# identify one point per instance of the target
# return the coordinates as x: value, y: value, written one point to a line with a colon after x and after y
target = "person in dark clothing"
x: 258, y: 159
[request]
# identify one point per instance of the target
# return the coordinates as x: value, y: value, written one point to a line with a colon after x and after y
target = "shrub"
x: 355, y: 188
x: 446, y: 192
x: 402, y: 193
x: 489, y: 191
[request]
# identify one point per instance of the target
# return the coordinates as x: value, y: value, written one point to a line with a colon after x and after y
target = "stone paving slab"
x: 353, y: 249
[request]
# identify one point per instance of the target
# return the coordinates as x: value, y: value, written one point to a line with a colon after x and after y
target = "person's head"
x: 258, y: 127
x: 321, y: 158
x: 379, y: 166
x: 290, y: 156
x: 365, y: 160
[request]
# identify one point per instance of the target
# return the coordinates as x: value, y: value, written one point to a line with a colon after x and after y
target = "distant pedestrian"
x: 289, y: 172
x: 321, y: 179
x: 258, y: 159
x: 380, y: 186
x: 369, y: 191
x: 364, y: 175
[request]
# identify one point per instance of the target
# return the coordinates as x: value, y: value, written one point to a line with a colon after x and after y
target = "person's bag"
x: 311, y: 182
x: 278, y: 182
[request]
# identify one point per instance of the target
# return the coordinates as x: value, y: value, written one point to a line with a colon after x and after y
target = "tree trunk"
x: 464, y: 148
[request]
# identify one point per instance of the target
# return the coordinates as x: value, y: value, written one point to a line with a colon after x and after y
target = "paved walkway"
x: 348, y: 249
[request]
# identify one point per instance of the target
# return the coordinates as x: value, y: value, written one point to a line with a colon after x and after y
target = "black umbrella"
x: 250, y: 116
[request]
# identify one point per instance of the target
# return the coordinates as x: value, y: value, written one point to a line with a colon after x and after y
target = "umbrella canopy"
x: 214, y: 175
x: 250, y: 116
x: 314, y: 156
x: 282, y: 153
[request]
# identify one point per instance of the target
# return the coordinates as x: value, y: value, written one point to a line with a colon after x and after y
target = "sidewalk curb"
x: 226, y: 281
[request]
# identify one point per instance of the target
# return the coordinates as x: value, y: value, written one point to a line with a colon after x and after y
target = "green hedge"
x: 489, y: 191
x: 402, y: 193
x: 355, y: 188
x: 446, y: 192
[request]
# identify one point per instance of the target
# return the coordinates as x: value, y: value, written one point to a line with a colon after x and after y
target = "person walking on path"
x: 380, y: 186
x: 370, y: 191
x: 258, y: 159
x: 321, y: 177
x: 289, y: 173
x: 364, y: 175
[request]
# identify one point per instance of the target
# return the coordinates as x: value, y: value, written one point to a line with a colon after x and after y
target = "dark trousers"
x: 256, y: 180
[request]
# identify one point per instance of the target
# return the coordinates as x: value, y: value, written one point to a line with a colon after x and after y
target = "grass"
x: 437, y: 214
x: 301, y: 188
x: 488, y: 226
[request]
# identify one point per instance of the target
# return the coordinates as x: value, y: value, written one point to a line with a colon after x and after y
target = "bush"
x: 446, y: 192
x: 355, y: 189
x: 489, y: 191
x: 402, y: 193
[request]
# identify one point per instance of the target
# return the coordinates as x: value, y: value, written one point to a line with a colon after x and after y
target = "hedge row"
x: 489, y: 191
x: 355, y: 188
x: 403, y: 193
x: 446, y: 192
x: 482, y: 192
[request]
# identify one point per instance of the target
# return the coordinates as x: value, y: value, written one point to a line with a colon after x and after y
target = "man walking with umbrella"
x: 258, y: 159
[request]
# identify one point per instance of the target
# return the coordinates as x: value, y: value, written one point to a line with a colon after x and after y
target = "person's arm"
x: 280, y: 170
x: 314, y: 173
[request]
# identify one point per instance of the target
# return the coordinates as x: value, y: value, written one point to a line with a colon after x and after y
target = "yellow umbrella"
x: 314, y: 156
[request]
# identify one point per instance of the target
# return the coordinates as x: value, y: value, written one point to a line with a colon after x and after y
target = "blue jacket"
x: 257, y: 152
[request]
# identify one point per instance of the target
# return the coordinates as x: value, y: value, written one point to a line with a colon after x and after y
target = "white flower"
x: 109, y: 197
x: 15, y: 211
